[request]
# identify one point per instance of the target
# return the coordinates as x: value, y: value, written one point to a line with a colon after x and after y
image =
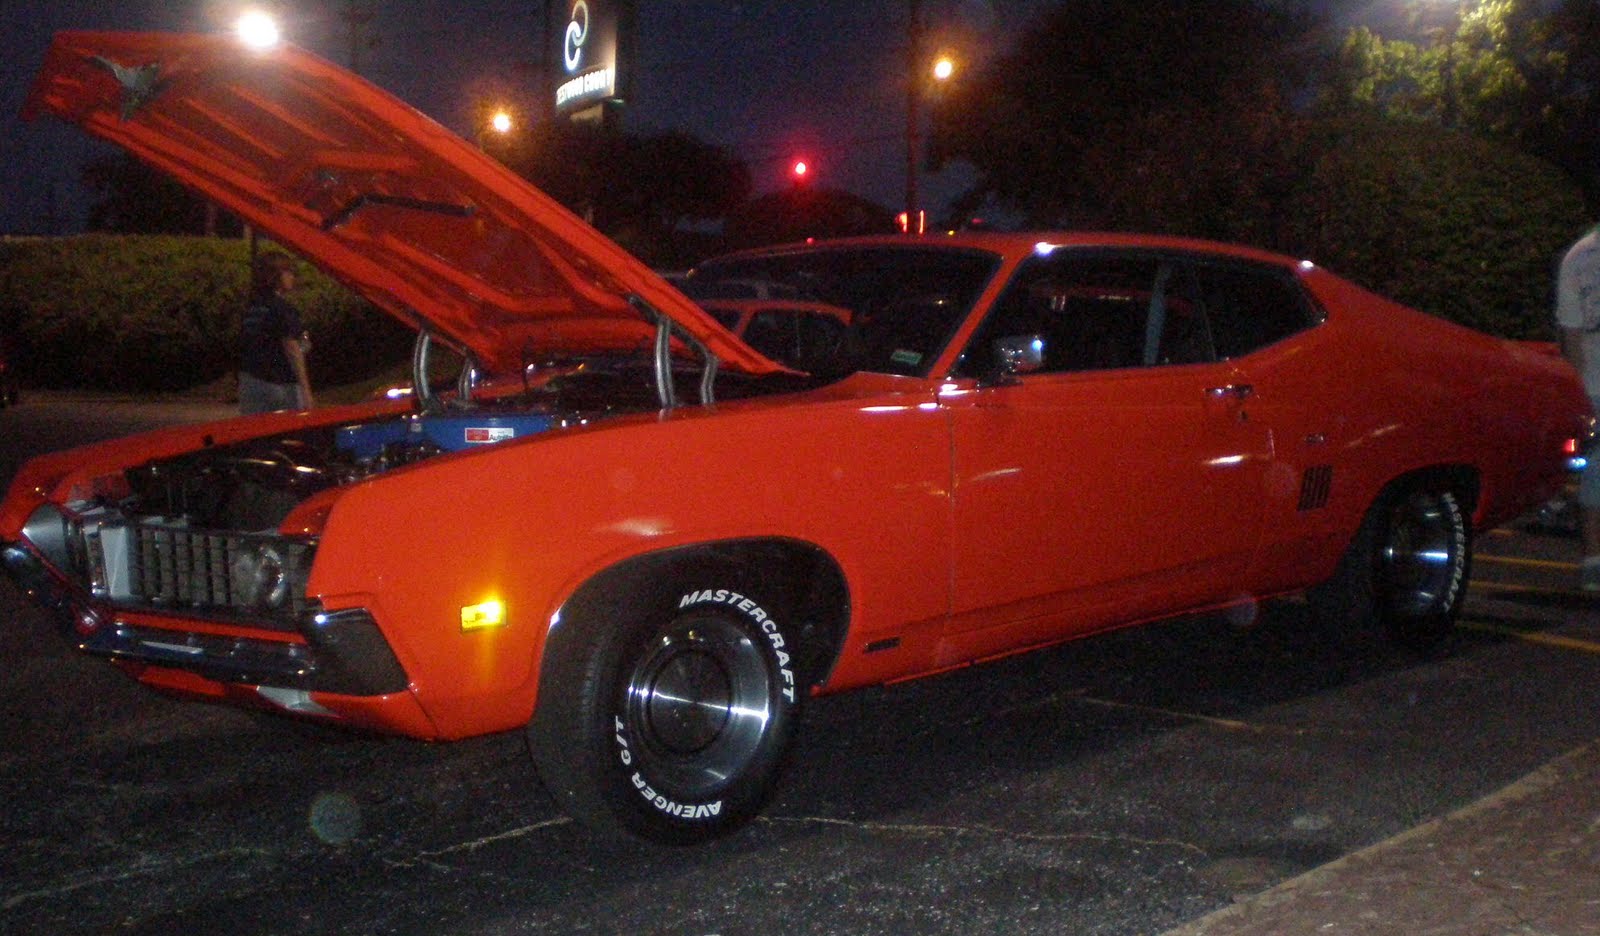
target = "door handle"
x: 1239, y: 391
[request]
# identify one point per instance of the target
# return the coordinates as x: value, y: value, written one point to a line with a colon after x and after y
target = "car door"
x: 1120, y: 479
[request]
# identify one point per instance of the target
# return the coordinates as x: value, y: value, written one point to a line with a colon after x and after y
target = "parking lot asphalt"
x: 1521, y: 860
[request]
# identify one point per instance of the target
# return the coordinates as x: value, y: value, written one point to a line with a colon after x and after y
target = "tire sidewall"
x: 1357, y: 604
x: 1425, y: 630
x: 633, y: 779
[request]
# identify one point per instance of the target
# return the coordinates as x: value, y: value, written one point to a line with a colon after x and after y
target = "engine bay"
x: 253, y: 485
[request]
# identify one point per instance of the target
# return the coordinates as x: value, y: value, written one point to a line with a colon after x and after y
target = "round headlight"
x: 259, y: 576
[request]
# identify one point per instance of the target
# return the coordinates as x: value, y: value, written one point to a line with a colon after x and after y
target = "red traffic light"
x: 800, y: 169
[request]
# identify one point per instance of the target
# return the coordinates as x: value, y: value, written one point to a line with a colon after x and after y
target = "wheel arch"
x: 1462, y: 480
x: 804, y: 576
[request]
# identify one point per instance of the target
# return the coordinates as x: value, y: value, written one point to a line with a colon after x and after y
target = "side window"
x: 1250, y: 307
x: 1098, y: 311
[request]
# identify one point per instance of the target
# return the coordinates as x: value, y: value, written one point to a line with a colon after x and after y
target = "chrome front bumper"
x: 340, y: 652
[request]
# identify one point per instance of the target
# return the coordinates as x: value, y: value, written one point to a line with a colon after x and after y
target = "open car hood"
x: 411, y: 216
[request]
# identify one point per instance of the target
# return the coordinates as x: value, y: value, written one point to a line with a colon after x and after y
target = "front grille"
x: 159, y: 564
x: 178, y: 567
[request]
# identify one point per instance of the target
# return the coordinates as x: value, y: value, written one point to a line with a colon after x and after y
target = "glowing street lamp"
x: 943, y: 68
x: 492, y: 121
x: 257, y: 30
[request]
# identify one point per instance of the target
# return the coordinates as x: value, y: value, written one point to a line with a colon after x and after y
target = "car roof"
x: 1016, y: 244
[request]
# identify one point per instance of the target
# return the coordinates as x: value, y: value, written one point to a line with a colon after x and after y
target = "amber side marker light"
x: 480, y: 616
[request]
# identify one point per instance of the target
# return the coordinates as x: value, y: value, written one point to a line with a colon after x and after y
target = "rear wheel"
x: 1404, y: 572
x: 666, y: 713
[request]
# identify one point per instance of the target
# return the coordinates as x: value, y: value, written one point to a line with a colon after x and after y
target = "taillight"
x: 1578, y: 447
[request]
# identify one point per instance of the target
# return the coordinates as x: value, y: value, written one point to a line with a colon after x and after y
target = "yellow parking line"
x: 1577, y: 595
x: 1549, y: 640
x: 1479, y: 585
x: 1532, y: 563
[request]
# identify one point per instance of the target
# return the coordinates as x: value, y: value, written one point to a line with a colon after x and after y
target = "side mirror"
x: 1015, y: 355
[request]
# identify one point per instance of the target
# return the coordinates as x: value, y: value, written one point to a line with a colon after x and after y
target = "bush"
x: 1446, y: 222
x: 146, y: 313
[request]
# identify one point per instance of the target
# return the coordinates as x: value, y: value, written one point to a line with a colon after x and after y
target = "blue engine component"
x: 450, y: 432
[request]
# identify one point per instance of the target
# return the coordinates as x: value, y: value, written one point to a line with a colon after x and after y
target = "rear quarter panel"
x: 1420, y: 392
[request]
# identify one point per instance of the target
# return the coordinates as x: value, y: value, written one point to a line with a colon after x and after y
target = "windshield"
x: 901, y: 304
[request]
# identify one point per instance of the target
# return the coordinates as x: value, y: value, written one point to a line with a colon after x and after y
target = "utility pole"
x: 913, y: 97
x: 358, y: 16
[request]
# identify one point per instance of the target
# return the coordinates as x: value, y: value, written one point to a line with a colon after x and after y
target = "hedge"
x: 141, y: 313
x: 1441, y: 220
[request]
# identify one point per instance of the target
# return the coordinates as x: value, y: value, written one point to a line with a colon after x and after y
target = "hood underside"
x: 414, y: 218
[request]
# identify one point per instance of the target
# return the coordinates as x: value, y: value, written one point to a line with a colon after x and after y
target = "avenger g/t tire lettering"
x: 666, y: 712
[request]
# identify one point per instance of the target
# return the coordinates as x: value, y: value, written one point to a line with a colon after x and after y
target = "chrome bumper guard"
x: 344, y: 652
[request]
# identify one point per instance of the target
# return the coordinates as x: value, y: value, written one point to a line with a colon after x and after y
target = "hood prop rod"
x: 420, y: 391
x: 666, y: 391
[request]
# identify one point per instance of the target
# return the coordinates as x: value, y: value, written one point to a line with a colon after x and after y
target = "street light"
x: 257, y: 30
x: 492, y: 120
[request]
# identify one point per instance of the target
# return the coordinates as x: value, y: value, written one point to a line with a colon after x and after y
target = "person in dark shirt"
x: 272, y: 371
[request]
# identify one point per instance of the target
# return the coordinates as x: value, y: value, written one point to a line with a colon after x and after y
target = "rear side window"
x: 1098, y: 310
x: 1250, y: 307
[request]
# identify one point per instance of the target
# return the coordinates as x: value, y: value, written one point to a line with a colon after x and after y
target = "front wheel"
x: 667, y: 714
x: 1405, y: 571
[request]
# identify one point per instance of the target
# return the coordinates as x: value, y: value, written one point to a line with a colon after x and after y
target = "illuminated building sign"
x: 591, y: 41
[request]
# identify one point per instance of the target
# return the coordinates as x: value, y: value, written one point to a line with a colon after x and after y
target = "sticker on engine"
x: 488, y: 434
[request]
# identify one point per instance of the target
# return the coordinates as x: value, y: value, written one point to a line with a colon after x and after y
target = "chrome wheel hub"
x: 698, y: 705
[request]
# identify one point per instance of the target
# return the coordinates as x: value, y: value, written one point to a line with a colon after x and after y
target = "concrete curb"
x: 1524, y: 860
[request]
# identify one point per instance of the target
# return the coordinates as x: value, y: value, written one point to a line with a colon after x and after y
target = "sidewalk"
x: 1522, y: 862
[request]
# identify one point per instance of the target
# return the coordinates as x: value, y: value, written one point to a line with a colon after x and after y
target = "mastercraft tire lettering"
x: 697, y: 694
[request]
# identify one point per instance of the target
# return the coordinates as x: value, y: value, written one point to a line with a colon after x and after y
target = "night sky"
x: 771, y: 80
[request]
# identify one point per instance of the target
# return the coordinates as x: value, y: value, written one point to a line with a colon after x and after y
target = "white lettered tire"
x: 1406, y: 570
x: 665, y: 711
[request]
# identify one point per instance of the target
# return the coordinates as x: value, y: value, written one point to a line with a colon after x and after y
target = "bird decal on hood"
x: 139, y: 84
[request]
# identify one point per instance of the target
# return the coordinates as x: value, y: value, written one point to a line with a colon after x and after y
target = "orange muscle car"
x: 643, y: 542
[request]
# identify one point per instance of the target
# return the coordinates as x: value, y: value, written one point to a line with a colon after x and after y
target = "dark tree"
x: 132, y: 198
x: 643, y: 191
x: 1524, y: 72
x: 1127, y: 113
x: 799, y: 212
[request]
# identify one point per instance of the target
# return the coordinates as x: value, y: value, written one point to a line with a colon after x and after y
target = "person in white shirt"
x: 1578, y: 318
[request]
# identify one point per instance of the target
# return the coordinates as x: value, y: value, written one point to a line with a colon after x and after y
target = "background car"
x: 808, y: 336
x: 645, y: 543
